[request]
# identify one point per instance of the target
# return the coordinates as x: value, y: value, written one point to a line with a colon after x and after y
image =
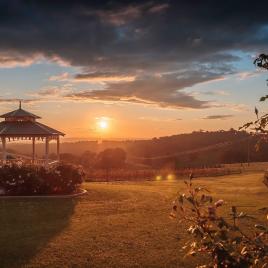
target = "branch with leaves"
x: 262, y: 61
x: 259, y: 126
x: 221, y: 238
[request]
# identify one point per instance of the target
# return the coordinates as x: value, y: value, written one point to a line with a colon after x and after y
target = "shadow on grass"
x: 27, y: 225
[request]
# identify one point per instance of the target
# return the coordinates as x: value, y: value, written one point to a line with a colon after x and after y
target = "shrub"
x: 222, y: 239
x: 32, y: 180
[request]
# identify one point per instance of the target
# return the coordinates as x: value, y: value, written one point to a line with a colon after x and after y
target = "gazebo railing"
x: 29, y: 162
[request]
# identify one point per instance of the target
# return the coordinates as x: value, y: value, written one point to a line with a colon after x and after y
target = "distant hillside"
x: 239, y: 146
x: 157, y: 151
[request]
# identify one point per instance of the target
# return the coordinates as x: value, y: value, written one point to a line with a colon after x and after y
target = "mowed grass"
x: 117, y: 224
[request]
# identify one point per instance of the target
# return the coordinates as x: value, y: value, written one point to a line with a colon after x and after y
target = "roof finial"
x: 20, y: 104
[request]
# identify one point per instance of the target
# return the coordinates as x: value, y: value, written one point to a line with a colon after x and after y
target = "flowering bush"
x: 223, y: 240
x: 31, y: 180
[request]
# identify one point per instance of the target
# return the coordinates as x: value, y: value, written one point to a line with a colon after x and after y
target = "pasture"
x: 117, y: 224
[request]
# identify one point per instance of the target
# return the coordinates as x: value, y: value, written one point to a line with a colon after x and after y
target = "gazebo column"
x: 33, y: 155
x: 4, y: 149
x: 47, y: 151
x: 58, y: 148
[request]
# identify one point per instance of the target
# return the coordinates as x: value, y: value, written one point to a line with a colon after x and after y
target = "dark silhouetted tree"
x: 87, y: 159
x: 111, y: 158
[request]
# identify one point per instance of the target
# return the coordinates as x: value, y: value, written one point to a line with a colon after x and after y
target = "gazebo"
x: 20, y: 124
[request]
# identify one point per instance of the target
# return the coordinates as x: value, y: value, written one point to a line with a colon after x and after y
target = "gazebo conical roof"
x: 19, y: 113
x: 21, y: 123
x: 27, y: 128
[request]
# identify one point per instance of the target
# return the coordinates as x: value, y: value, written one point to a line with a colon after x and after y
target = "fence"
x: 154, y: 174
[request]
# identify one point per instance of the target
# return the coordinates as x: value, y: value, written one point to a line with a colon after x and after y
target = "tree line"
x: 241, y: 149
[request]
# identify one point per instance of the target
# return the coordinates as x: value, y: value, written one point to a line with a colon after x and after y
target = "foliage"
x: 32, y: 180
x: 111, y: 158
x: 262, y: 61
x: 235, y: 149
x: 87, y: 159
x: 259, y: 125
x: 223, y: 240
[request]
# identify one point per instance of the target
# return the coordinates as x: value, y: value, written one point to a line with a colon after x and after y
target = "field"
x: 119, y: 224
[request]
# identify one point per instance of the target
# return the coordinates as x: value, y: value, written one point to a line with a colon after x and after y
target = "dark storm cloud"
x: 138, y: 38
x: 218, y: 117
x: 118, y: 35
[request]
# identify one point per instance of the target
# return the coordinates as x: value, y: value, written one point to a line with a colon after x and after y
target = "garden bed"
x: 36, y: 181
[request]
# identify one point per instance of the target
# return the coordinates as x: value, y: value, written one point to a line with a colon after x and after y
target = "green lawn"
x: 114, y: 225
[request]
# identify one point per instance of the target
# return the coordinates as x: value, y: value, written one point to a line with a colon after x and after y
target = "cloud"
x: 122, y: 15
x: 210, y: 92
x: 126, y: 45
x: 157, y: 119
x: 11, y: 59
x: 103, y: 77
x: 61, y: 77
x: 247, y: 75
x: 162, y: 90
x: 132, y: 35
x: 218, y: 117
x: 235, y: 107
x: 159, y: 8
x: 51, y: 92
x: 17, y: 100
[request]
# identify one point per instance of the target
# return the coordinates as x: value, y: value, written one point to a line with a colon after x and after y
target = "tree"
x: 111, y: 158
x: 87, y: 159
x: 69, y: 158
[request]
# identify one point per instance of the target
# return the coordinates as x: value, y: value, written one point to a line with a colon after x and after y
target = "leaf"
x: 264, y: 98
x: 244, y: 251
x: 257, y: 112
x: 219, y: 203
x: 172, y: 215
x: 237, y: 240
x: 191, y: 253
x: 247, y: 125
x: 242, y: 215
x: 190, y: 199
x: 222, y: 223
x: 180, y: 199
x: 260, y: 227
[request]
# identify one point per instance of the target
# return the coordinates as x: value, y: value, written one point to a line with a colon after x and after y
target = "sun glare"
x: 102, y: 123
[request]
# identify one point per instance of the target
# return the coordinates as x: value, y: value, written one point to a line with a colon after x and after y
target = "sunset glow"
x: 152, y: 91
x: 125, y: 126
x: 102, y: 123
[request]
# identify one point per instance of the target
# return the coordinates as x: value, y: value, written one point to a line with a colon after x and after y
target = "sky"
x: 145, y: 68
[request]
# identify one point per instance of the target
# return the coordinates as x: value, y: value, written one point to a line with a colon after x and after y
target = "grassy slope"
x: 115, y: 225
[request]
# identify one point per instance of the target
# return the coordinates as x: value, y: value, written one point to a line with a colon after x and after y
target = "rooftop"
x: 27, y: 128
x: 20, y: 123
x: 19, y: 113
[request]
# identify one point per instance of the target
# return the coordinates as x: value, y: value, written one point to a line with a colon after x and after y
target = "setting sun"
x: 102, y: 123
